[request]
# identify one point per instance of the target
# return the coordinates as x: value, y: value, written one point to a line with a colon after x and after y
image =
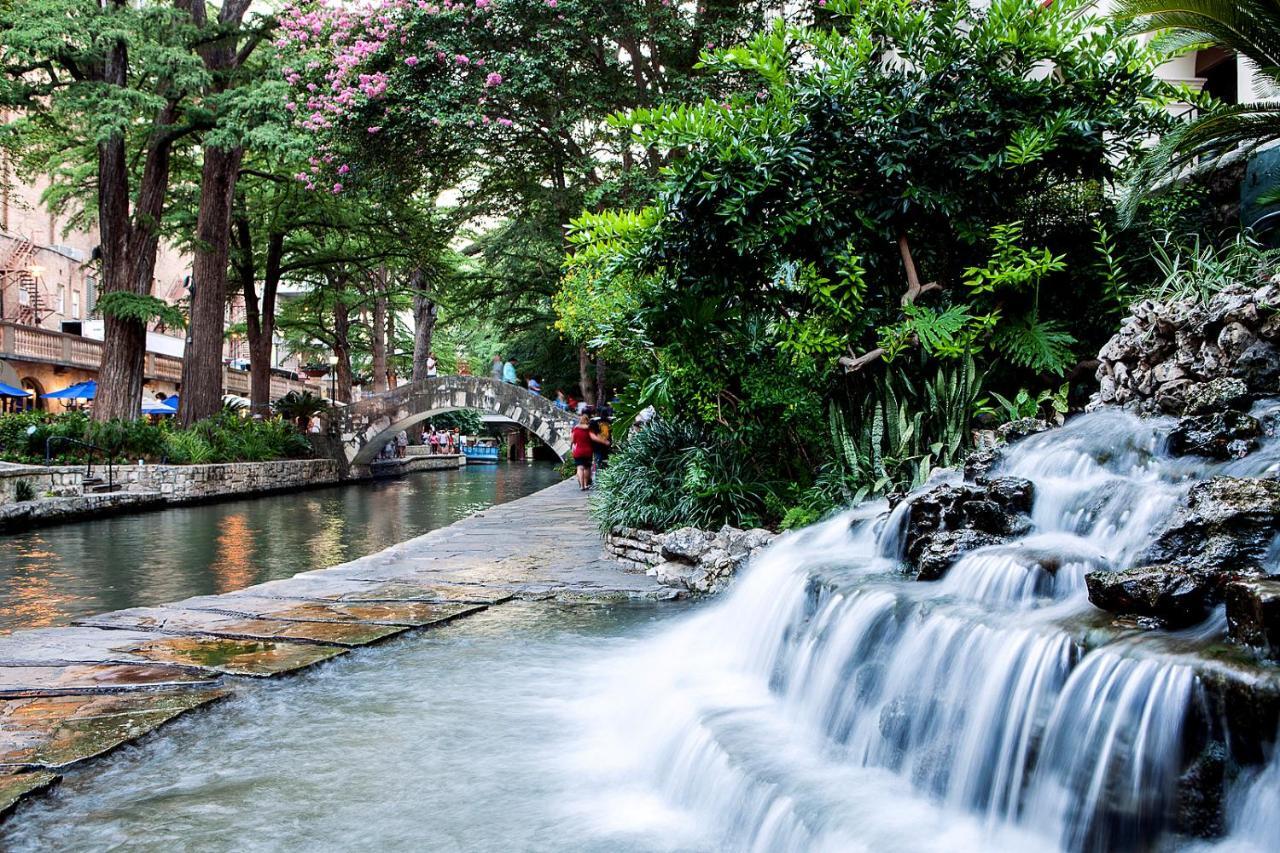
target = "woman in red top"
x: 583, y: 450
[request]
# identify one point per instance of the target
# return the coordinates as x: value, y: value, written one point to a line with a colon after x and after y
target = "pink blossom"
x: 494, y: 79
x: 505, y: 122
x: 374, y: 129
x: 343, y: 169
x: 337, y: 188
x: 411, y: 61
x: 462, y: 59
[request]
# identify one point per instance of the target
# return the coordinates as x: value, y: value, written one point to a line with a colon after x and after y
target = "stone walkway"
x: 70, y: 694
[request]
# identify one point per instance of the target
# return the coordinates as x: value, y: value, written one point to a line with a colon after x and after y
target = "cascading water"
x: 829, y: 703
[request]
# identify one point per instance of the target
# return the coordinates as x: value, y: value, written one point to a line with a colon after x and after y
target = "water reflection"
x: 53, y: 575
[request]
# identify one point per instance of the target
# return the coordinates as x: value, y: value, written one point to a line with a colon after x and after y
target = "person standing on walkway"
x: 601, y: 435
x: 583, y: 448
x: 495, y: 369
x: 431, y: 365
x: 402, y: 444
x: 509, y: 371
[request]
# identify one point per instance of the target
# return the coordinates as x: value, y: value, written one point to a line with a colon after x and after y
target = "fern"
x: 1042, y: 345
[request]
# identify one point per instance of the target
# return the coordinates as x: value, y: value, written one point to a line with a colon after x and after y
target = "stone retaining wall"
x: 179, y: 483
x: 60, y: 481
x: 688, y: 558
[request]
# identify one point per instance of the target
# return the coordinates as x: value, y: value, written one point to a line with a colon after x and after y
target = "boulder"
x: 685, y: 545
x: 1198, y: 803
x: 1222, y: 435
x: 1217, y: 395
x: 1253, y: 614
x: 675, y: 574
x: 1175, y: 596
x: 953, y: 519
x: 1224, y: 528
x: 943, y: 550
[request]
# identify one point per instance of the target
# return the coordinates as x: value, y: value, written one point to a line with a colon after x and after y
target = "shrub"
x: 672, y: 474
x: 23, y: 491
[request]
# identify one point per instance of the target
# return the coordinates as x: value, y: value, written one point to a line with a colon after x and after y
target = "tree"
x: 226, y: 44
x: 105, y: 81
x: 900, y: 182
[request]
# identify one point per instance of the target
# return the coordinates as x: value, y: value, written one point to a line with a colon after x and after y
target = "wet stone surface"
x: 69, y: 694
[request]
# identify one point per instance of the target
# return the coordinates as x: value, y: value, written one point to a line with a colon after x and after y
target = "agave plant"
x: 1249, y: 28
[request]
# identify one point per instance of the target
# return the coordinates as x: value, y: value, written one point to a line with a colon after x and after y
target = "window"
x: 75, y: 305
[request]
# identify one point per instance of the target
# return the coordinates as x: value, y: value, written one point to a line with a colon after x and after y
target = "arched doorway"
x: 36, y: 402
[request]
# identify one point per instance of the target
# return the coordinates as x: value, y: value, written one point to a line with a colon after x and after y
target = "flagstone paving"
x: 70, y: 694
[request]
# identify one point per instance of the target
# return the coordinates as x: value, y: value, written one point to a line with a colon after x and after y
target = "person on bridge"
x: 509, y: 371
x: 561, y: 402
x: 432, y: 365
x: 495, y: 369
x: 534, y: 385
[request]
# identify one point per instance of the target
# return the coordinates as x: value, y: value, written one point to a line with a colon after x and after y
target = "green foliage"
x: 1250, y: 29
x: 1024, y: 405
x: 300, y: 407
x: 141, y: 309
x: 224, y: 438
x: 672, y: 474
x: 23, y: 491
x: 898, y: 183
x: 1193, y: 270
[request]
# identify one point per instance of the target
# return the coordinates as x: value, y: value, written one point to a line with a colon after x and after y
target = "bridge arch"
x: 365, y: 427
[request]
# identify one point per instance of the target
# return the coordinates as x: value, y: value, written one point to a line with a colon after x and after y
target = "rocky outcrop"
x: 1182, y: 358
x: 688, y: 559
x: 1220, y: 535
x: 1253, y: 614
x: 949, y: 521
x: 1222, y: 435
x: 1170, y: 594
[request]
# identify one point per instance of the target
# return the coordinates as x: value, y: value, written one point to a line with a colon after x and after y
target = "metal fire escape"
x: 20, y: 287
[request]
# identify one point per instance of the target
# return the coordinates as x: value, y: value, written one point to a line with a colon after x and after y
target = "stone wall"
x: 61, y: 481
x: 1170, y: 357
x: 178, y: 483
x: 687, y: 559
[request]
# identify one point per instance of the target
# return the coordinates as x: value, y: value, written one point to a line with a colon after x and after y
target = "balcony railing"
x: 28, y: 343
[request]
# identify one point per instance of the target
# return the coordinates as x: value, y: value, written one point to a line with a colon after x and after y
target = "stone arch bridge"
x: 363, y: 428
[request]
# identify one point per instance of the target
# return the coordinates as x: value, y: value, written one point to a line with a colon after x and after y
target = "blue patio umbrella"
x: 10, y: 391
x: 79, y: 391
x: 171, y: 402
x: 157, y: 407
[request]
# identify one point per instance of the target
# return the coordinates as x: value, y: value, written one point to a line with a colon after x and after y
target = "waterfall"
x: 830, y: 703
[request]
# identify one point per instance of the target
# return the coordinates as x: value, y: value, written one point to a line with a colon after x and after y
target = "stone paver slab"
x: 331, y: 588
x: 218, y: 654
x: 54, y: 731
x: 96, y: 678
x: 17, y: 786
x: 173, y: 620
x: 408, y: 614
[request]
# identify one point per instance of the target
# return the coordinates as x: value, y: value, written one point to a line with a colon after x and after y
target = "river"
x: 52, y: 575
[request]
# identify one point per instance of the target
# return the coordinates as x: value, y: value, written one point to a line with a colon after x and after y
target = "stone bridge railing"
x: 365, y: 427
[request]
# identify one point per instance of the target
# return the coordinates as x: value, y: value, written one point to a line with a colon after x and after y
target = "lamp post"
x: 333, y: 379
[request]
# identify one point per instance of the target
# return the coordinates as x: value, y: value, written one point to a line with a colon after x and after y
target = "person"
x: 431, y: 365
x: 583, y: 450
x: 600, y: 432
x: 495, y: 369
x: 313, y: 426
x: 509, y: 371
x: 561, y: 403
x: 534, y: 385
x: 402, y: 444
x: 583, y: 407
x: 434, y: 441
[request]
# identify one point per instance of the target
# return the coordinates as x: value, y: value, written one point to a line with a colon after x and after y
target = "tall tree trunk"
x: 584, y: 375
x: 602, y: 393
x: 202, y: 363
x: 392, y: 379
x: 378, y: 337
x: 342, y: 349
x: 425, y: 312
x: 260, y: 315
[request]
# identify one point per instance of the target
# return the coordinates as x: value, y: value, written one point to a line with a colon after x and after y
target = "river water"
x: 52, y: 575
x: 824, y: 704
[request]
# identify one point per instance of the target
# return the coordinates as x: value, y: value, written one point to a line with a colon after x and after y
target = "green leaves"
x: 1041, y: 345
x: 141, y: 309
